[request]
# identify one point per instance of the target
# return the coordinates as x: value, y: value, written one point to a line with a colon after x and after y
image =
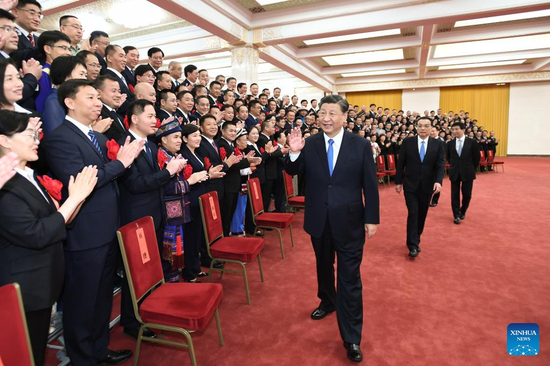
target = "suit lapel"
x: 85, y: 138
x: 26, y: 186
x: 343, y: 153
x: 320, y: 147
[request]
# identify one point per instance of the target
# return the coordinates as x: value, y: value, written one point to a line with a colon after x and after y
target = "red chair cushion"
x: 278, y: 220
x: 297, y: 201
x: 240, y: 249
x: 186, y: 305
x: 14, y: 346
x: 390, y: 172
x: 380, y: 175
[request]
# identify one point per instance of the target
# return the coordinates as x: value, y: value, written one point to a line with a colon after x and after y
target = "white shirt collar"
x: 4, y: 54
x: 109, y: 108
x: 207, y: 139
x: 337, y: 139
x: 28, y: 174
x: 20, y: 109
x: 82, y: 127
x: 23, y: 31
x: 115, y: 71
x: 135, y: 135
x: 183, y: 112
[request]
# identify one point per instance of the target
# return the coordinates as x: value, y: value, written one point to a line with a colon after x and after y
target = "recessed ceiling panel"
x: 364, y: 57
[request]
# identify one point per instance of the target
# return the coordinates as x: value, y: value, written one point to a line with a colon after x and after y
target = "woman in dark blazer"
x: 32, y: 226
x: 193, y: 235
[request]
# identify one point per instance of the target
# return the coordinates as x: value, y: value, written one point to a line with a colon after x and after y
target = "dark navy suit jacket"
x: 124, y: 90
x: 338, y: 197
x: 68, y: 151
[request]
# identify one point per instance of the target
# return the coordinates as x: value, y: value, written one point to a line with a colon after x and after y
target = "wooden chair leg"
x: 260, y: 265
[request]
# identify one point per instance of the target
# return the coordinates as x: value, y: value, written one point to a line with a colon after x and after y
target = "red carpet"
x: 449, y: 306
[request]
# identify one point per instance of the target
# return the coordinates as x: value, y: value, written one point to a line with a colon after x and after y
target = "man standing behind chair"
x: 463, y: 155
x: 420, y: 174
x: 340, y: 170
x: 90, y: 249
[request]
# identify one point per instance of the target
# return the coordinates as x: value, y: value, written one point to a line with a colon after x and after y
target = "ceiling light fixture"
x: 504, y: 18
x: 364, y: 57
x: 353, y: 37
x: 269, y: 2
x: 372, y: 73
x: 481, y: 64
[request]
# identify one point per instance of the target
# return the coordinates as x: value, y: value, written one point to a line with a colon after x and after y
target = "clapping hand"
x: 230, y: 160
x: 123, y: 98
x: 295, y: 140
x: 31, y: 66
x: 269, y: 148
x: 102, y: 124
x: 84, y: 183
x: 129, y: 151
x: 167, y: 120
x: 215, y: 172
x: 176, y: 165
x: 197, y: 177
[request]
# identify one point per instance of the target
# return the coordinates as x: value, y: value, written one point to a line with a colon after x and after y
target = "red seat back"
x: 255, y: 196
x: 380, y: 162
x: 289, y: 187
x: 490, y: 155
x: 140, y: 252
x: 15, y: 346
x: 391, y: 162
x: 211, y: 216
x: 482, y: 156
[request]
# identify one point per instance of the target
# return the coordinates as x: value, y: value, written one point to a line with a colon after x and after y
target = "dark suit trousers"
x: 229, y: 205
x: 127, y: 315
x: 193, y: 239
x: 347, y: 299
x: 87, y: 303
x: 456, y: 187
x: 38, y: 324
x: 280, y: 195
x: 268, y: 188
x: 418, y: 204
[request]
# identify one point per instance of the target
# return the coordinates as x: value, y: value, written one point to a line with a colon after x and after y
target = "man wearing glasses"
x: 71, y: 26
x: 28, y: 14
x: 99, y: 41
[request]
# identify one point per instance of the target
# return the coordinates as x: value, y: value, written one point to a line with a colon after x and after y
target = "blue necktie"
x: 94, y: 141
x: 330, y: 156
x: 422, y: 151
x: 459, y: 147
x: 148, y: 152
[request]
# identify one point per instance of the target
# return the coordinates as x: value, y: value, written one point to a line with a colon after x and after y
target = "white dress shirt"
x: 85, y: 129
x: 463, y: 140
x: 119, y: 75
x: 139, y: 139
x: 28, y: 174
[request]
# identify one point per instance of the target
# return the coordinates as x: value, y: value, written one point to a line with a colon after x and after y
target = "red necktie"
x: 31, y: 39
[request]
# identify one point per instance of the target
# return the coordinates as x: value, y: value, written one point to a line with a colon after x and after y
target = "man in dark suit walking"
x: 340, y: 170
x: 463, y: 155
x: 90, y: 249
x: 142, y: 194
x: 420, y: 174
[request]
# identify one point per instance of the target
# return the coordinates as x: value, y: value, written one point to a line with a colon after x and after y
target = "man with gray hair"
x: 175, y: 69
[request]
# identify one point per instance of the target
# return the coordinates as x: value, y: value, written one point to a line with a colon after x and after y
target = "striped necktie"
x: 94, y: 141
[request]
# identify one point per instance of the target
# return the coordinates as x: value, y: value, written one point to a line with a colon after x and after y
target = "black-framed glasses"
x: 7, y: 29
x: 64, y: 48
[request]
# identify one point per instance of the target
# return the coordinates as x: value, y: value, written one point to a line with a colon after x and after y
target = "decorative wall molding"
x: 428, y: 83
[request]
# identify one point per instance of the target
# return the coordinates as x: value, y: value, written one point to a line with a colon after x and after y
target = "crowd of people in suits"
x: 91, y: 141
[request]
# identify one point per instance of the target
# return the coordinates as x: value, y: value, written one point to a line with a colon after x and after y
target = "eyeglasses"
x: 75, y: 26
x: 94, y: 65
x: 33, y: 13
x: 7, y: 29
x: 35, y: 135
x: 106, y: 43
x: 64, y: 48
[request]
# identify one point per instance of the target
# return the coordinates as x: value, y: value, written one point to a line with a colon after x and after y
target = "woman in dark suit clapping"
x: 32, y: 226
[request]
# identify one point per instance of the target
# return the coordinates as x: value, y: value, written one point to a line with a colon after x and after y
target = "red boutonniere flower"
x: 207, y: 163
x: 41, y: 134
x: 237, y: 151
x: 52, y: 186
x: 262, y: 150
x: 131, y: 87
x: 126, y: 124
x: 162, y: 159
x: 274, y: 143
x: 187, y: 172
x: 158, y: 123
x: 112, y: 149
x: 223, y: 153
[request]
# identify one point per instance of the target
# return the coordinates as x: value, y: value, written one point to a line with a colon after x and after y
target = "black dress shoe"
x: 218, y: 265
x: 116, y: 357
x: 433, y: 204
x: 462, y: 217
x: 134, y: 332
x: 194, y: 280
x: 354, y: 352
x: 419, y: 250
x: 413, y: 253
x: 457, y: 220
x: 319, y: 314
x: 202, y: 274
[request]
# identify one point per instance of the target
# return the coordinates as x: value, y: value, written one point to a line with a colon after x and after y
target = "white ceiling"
x: 329, y: 44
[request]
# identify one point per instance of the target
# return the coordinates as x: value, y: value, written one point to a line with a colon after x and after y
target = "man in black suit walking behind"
x: 463, y: 155
x: 340, y: 170
x: 420, y: 174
